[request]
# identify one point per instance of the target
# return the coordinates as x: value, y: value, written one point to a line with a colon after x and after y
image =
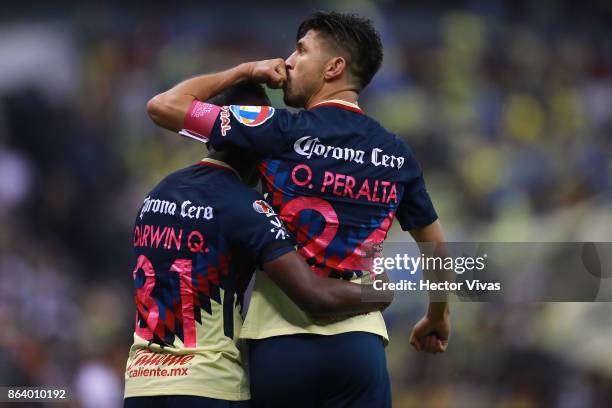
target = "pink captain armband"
x: 199, y: 120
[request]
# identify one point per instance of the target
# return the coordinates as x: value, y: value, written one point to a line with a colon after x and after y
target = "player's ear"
x: 334, y: 68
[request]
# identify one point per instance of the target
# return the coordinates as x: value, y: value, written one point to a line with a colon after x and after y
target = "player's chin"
x: 292, y: 100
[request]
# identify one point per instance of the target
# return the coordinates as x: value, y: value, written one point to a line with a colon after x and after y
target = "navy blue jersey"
x: 198, y: 237
x: 335, y: 176
x: 202, y: 224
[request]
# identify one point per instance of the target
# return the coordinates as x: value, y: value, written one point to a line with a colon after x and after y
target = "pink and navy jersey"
x: 198, y: 238
x: 335, y: 175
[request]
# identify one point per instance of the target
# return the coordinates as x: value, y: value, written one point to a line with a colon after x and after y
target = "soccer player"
x: 198, y: 237
x: 338, y: 179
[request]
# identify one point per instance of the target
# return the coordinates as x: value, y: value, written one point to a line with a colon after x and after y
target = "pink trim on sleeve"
x: 200, y: 118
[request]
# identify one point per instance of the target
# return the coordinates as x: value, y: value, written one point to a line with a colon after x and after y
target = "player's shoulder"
x: 244, y: 208
x: 299, y: 120
x: 265, y: 118
x: 195, y: 177
x: 174, y: 180
x: 236, y: 196
x: 256, y: 115
x: 240, y: 194
x: 382, y: 134
x: 204, y: 181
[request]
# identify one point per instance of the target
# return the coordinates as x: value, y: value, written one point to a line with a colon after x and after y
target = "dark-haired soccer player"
x: 338, y: 179
x: 198, y: 237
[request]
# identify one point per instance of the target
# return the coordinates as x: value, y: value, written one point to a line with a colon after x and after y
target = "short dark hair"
x: 353, y: 34
x: 243, y: 93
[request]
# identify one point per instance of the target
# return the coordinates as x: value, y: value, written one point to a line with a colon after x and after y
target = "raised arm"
x: 168, y: 109
x: 319, y: 296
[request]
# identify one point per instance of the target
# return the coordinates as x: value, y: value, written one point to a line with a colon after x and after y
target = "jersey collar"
x: 353, y: 107
x: 218, y: 164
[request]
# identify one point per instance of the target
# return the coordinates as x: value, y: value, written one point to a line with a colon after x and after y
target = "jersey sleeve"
x: 253, y: 226
x: 260, y: 130
x: 415, y: 209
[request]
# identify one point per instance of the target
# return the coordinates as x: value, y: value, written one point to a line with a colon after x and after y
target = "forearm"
x: 169, y: 108
x: 438, y: 310
x: 316, y: 295
x: 204, y: 87
x: 337, y: 297
x: 438, y: 299
x: 432, y: 243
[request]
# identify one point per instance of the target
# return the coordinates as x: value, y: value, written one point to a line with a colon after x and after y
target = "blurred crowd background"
x: 508, y: 106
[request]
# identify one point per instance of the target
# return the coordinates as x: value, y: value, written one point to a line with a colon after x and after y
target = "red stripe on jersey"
x: 358, y: 257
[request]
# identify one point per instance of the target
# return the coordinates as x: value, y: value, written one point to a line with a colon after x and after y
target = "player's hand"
x: 272, y: 72
x: 431, y: 335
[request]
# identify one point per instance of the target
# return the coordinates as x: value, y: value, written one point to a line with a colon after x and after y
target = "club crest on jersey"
x: 262, y: 207
x: 251, y: 115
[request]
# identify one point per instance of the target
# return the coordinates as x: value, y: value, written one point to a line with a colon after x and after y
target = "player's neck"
x: 346, y: 95
x: 227, y: 159
x: 244, y: 167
